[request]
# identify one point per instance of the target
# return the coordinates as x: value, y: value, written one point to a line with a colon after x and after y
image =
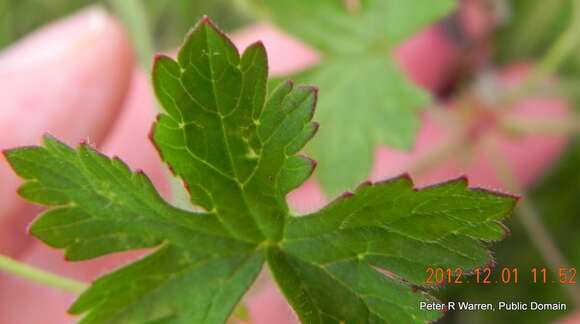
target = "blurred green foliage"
x: 368, y: 100
x: 531, y: 28
x: 169, y: 19
x: 536, y: 23
x: 19, y: 17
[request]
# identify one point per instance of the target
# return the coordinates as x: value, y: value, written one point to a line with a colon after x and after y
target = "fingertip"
x: 68, y: 79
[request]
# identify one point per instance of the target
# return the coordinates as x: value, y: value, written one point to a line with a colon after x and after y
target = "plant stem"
x: 134, y: 18
x: 520, y: 126
x: 531, y: 219
x: 566, y: 43
x: 539, y: 14
x: 25, y: 271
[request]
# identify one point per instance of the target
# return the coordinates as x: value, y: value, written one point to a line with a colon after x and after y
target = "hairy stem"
x: 531, y: 219
x: 25, y: 271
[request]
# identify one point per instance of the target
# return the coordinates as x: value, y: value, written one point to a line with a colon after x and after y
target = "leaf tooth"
x: 207, y: 22
x: 151, y: 137
x: 459, y: 180
x: 295, y: 171
x: 314, y: 90
x: 260, y: 48
x: 506, y: 231
x: 345, y: 195
x: 402, y: 177
x: 160, y: 58
x: 498, y: 193
x: 464, y: 181
x: 303, y: 138
x: 363, y: 185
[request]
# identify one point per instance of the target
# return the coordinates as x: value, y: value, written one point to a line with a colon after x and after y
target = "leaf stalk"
x: 34, y: 274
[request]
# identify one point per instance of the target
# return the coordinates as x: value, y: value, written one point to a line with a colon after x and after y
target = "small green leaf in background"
x: 367, y: 100
x: 357, y: 260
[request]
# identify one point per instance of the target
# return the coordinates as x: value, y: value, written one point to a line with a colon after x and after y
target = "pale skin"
x: 77, y: 79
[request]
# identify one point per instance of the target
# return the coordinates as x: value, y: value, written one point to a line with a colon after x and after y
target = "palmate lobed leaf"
x: 365, y: 91
x: 355, y: 261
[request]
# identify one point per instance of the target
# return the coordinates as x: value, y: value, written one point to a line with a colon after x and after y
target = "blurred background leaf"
x: 368, y: 100
x: 172, y: 19
x: 18, y: 18
x: 169, y: 19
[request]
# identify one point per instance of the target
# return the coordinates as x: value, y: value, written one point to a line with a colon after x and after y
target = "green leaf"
x: 329, y: 259
x: 367, y: 100
x: 356, y: 261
